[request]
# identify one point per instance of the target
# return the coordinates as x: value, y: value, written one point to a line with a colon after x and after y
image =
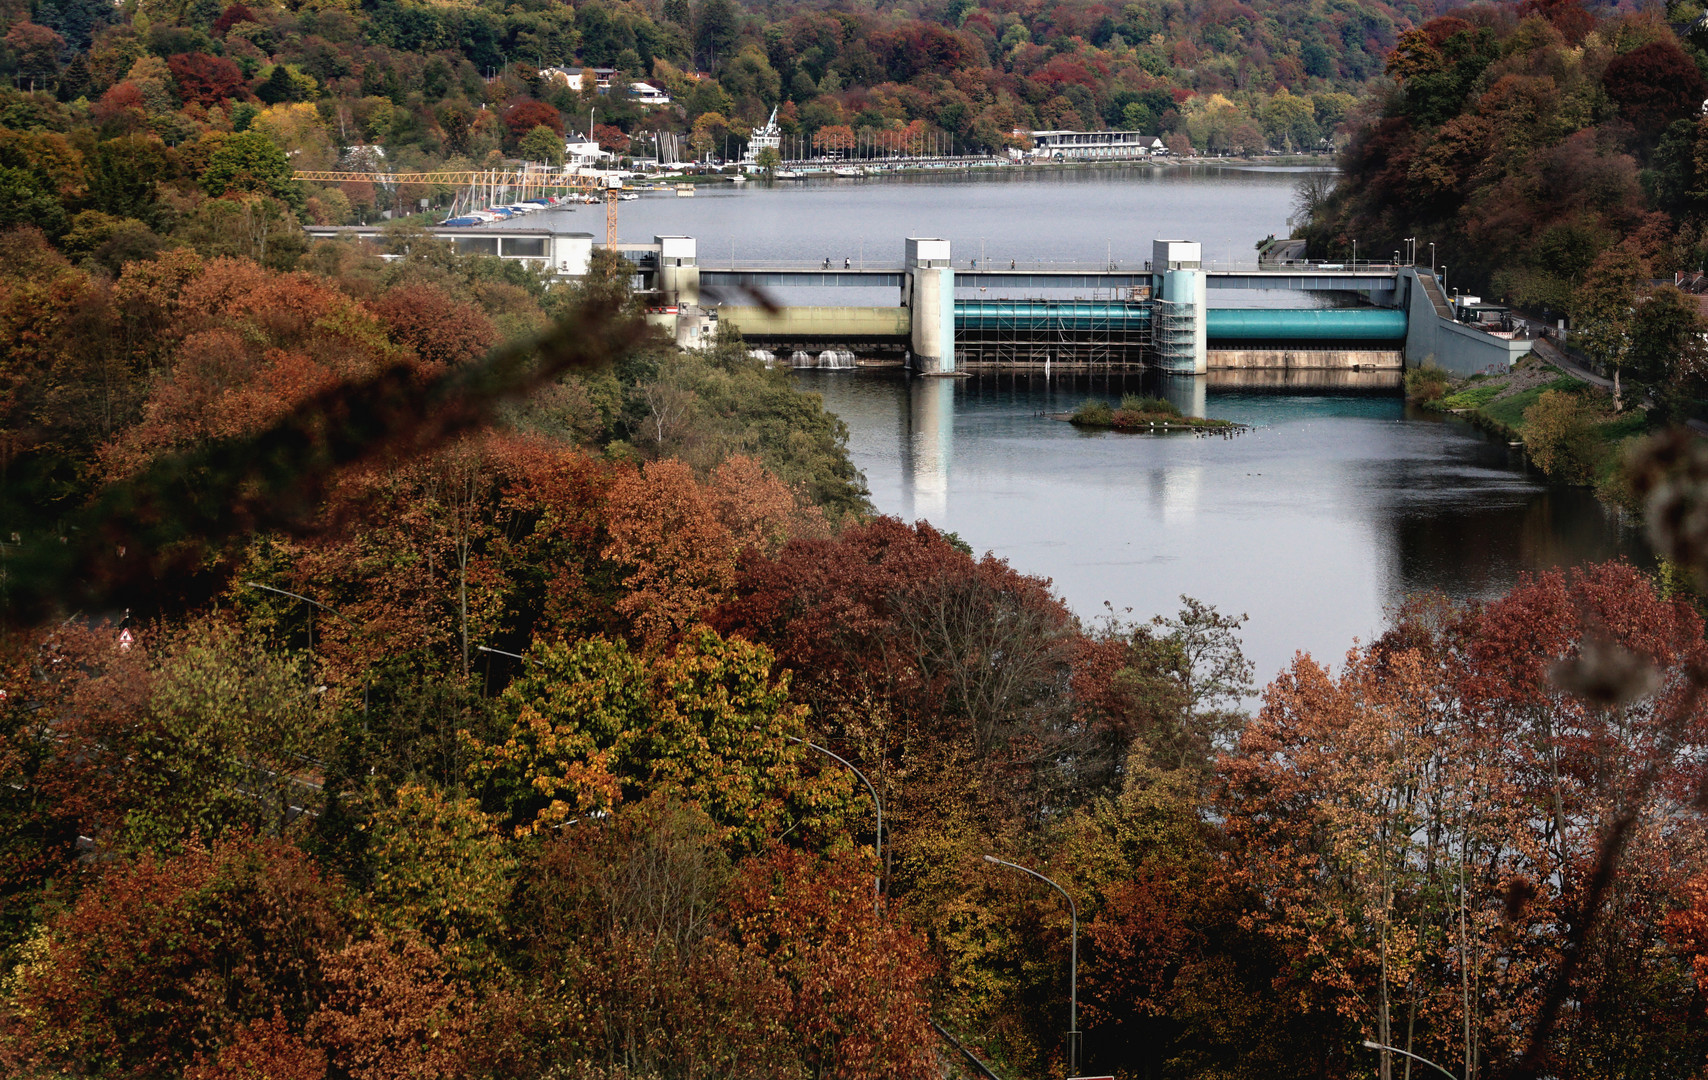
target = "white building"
x: 647, y: 94
x: 584, y: 154
x: 1092, y: 145
x: 573, y: 79
x: 770, y: 136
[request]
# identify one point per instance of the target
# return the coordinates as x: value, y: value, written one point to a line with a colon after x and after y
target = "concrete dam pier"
x: 947, y: 321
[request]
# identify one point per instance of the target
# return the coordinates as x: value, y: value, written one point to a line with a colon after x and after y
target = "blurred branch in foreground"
x: 160, y: 530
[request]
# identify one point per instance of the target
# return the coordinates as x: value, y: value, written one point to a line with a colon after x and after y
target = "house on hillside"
x: 580, y: 153
x: 574, y: 79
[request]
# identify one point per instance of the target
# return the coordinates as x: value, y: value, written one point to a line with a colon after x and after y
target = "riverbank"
x: 1566, y: 424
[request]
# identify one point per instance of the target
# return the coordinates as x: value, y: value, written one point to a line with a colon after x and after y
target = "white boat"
x: 684, y: 191
x: 628, y: 196
x: 788, y: 174
x: 847, y: 171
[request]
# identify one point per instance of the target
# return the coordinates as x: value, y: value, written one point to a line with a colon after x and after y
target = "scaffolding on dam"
x: 1093, y: 333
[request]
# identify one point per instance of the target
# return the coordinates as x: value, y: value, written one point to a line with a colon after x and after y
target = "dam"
x: 945, y: 322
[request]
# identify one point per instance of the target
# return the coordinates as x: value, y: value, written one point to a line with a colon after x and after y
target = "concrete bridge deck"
x: 1294, y: 279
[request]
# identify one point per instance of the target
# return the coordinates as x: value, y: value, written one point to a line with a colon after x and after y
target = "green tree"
x: 250, y: 162
x: 543, y: 145
x: 120, y: 177
x: 25, y: 200
x: 1667, y: 346
x: 439, y: 869
x: 1603, y: 306
x: 715, y: 28
x: 769, y: 160
x: 1137, y: 117
x: 1559, y: 437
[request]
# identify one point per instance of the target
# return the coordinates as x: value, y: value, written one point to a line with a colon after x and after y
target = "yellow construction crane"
x: 613, y: 190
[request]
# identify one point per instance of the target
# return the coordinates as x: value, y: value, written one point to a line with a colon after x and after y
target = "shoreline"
x: 1004, y: 168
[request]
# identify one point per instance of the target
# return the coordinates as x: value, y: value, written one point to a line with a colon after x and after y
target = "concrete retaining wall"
x: 1304, y: 379
x: 821, y: 323
x: 1432, y: 337
x: 1323, y: 359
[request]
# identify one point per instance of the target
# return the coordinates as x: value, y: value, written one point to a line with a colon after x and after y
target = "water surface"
x: 1330, y: 510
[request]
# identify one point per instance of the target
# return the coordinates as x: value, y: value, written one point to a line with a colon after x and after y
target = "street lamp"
x: 1368, y: 1045
x: 878, y: 842
x: 1432, y: 257
x: 1411, y: 249
x: 1073, y: 961
x: 323, y: 607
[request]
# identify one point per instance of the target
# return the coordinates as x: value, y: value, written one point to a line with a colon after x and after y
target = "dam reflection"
x: 928, y: 447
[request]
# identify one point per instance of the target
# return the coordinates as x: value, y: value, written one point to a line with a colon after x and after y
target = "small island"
x: 1147, y: 414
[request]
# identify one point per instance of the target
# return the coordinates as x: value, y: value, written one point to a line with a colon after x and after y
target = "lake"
x: 1332, y: 508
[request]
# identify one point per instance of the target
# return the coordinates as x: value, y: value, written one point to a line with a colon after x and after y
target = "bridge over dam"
x: 946, y: 320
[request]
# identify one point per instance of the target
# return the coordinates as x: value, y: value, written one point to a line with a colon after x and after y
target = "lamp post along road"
x: 323, y: 607
x: 1368, y: 1045
x: 1073, y: 960
x: 878, y: 841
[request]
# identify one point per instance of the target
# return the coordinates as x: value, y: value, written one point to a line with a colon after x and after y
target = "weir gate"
x: 947, y: 319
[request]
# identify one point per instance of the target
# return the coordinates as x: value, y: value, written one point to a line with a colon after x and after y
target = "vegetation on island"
x: 1137, y: 412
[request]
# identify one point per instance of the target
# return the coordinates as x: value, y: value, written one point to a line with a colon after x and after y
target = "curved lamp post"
x: 878, y: 842
x: 323, y: 607
x: 1073, y: 960
x: 1368, y: 1045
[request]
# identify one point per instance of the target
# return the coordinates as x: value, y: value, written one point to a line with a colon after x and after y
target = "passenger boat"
x: 684, y: 191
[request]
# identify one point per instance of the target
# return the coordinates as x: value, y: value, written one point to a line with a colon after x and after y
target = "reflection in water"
x: 1186, y: 392
x: 1306, y: 380
x: 1180, y: 489
x: 929, y: 447
x: 1332, y: 508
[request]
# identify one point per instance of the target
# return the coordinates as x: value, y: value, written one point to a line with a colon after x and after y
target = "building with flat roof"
x: 566, y: 254
x: 1092, y: 145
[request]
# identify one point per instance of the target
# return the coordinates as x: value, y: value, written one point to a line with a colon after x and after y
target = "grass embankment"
x: 1145, y: 414
x: 1568, y: 427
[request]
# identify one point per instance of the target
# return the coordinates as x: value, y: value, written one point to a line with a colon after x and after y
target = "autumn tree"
x: 206, y: 80
x: 834, y: 138
x: 1423, y: 834
x: 707, y: 722
x: 524, y: 116
x: 1654, y: 84
x: 1559, y: 436
x: 162, y: 959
